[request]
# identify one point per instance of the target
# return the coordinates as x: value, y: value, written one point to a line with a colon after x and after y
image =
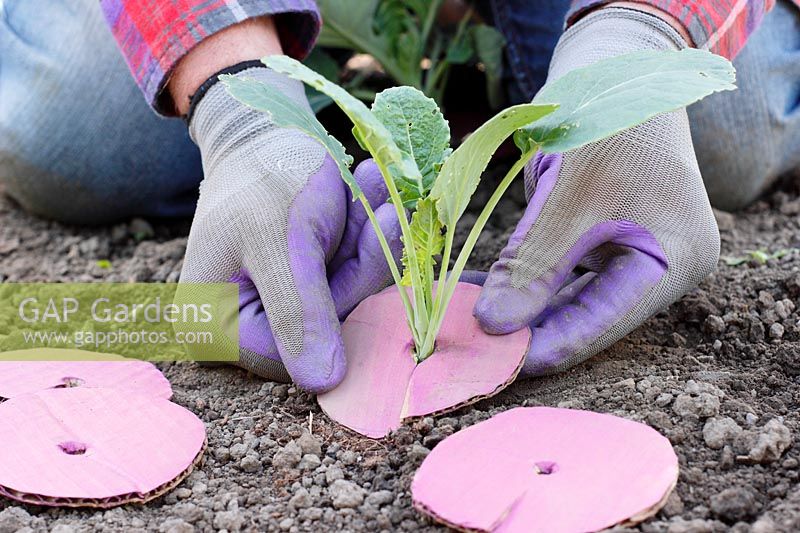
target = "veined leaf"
x: 285, y: 112
x: 428, y: 241
x: 461, y: 173
x: 418, y: 128
x: 371, y: 134
x: 615, y: 94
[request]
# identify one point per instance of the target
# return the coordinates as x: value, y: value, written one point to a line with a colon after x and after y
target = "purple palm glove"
x: 614, y: 231
x: 357, y: 270
x: 275, y: 216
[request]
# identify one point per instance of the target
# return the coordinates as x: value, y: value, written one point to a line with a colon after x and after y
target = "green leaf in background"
x: 286, y: 113
x: 758, y: 256
x: 461, y: 173
x: 413, y: 49
x: 489, y: 45
x: 418, y: 127
x: 428, y: 241
x: 615, y: 94
x: 350, y: 24
x: 460, y: 51
x: 372, y: 134
x: 396, y: 21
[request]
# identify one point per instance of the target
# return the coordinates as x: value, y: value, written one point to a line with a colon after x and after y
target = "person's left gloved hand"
x: 275, y: 216
x: 357, y: 270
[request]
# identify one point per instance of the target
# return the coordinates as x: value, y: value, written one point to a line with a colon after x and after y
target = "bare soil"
x: 718, y: 373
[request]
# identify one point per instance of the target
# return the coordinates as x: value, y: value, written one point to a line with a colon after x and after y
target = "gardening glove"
x: 275, y: 216
x: 614, y: 231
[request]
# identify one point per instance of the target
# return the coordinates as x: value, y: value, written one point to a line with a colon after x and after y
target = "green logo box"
x: 147, y: 321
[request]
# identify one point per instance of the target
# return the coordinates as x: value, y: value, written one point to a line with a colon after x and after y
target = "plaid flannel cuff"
x: 155, y: 34
x: 721, y: 26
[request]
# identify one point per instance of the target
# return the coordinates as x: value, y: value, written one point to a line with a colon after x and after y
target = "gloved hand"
x: 275, y: 216
x: 614, y: 231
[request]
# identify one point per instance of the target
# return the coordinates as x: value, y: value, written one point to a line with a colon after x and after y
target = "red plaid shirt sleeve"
x: 155, y: 34
x: 721, y: 26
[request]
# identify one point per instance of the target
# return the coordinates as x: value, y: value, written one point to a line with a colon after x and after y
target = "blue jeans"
x: 79, y: 144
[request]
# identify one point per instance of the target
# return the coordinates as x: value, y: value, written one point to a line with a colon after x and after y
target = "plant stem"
x: 466, y: 250
x: 418, y: 312
x: 427, y: 26
x: 430, y: 74
x: 387, y: 252
x: 440, y: 285
x: 432, y: 86
x: 438, y: 91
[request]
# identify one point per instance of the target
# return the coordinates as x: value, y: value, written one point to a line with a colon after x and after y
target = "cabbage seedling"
x: 409, y: 139
x: 390, y: 376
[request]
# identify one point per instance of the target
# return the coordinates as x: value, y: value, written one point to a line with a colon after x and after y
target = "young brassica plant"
x: 409, y: 140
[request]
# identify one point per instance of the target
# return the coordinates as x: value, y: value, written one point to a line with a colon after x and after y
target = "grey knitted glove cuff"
x: 611, y: 32
x: 218, y: 108
x: 221, y: 124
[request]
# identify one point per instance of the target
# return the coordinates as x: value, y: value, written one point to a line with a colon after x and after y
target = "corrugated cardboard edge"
x: 424, y: 509
x: 628, y: 522
x: 475, y: 399
x: 105, y: 503
x: 652, y: 511
x: 456, y: 407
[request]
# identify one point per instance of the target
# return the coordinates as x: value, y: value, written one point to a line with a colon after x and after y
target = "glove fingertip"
x: 327, y: 369
x: 390, y: 226
x: 473, y: 277
x: 370, y: 179
x: 503, y: 310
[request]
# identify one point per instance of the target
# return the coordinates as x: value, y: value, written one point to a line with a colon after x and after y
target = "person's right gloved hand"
x: 614, y: 231
x: 275, y: 216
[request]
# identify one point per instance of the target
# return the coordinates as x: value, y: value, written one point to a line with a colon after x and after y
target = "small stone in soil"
x: 309, y: 462
x: 714, y: 325
x: 719, y: 431
x: 301, y: 499
x: 288, y: 456
x: 345, y: 494
x: 230, y: 520
x: 13, y: 519
x: 703, y: 405
x: 380, y: 498
x: 250, y: 464
x: 776, y: 331
x: 333, y: 473
x: 734, y: 504
x: 309, y: 444
x: 773, y: 439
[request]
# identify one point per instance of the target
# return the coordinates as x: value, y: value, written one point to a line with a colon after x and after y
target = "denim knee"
x: 748, y: 138
x: 532, y: 30
x: 77, y: 141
